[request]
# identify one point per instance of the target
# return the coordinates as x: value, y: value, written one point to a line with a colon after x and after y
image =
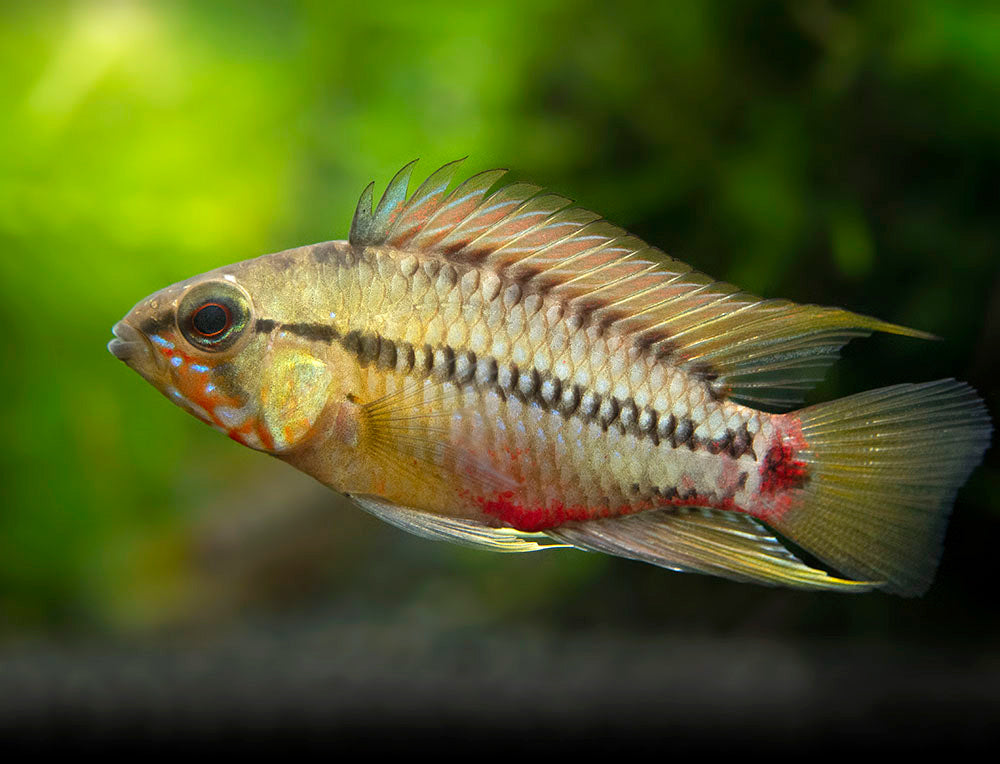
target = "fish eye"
x: 213, y: 316
x: 211, y: 319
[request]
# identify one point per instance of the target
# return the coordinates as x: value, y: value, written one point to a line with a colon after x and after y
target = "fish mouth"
x: 128, y: 344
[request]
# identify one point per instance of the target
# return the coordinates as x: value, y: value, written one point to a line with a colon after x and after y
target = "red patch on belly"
x: 508, y: 511
x: 505, y: 507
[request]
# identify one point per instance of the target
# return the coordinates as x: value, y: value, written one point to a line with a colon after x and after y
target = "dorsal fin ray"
x: 752, y: 350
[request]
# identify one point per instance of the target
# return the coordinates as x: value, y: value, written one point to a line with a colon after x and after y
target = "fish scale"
x: 518, y: 332
x: 493, y: 366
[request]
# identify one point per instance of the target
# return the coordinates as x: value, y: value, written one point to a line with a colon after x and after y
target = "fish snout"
x: 127, y: 342
x: 132, y: 347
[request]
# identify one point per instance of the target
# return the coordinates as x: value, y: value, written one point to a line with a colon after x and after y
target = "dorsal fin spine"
x: 462, y: 194
x: 507, y: 220
x: 392, y: 201
x: 492, y: 206
x: 509, y: 247
x: 619, y: 281
x: 622, y: 301
x: 664, y: 303
x: 657, y: 306
x: 689, y: 312
x: 722, y: 317
x: 589, y: 272
x: 557, y: 264
x: 431, y: 190
x: 363, y: 222
x: 566, y: 261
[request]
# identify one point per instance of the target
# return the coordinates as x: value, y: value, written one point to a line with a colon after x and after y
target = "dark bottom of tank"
x: 342, y: 686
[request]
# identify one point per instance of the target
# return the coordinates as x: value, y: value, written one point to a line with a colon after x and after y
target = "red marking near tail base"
x: 781, y: 472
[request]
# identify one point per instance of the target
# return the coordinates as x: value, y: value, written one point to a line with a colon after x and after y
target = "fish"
x: 487, y: 363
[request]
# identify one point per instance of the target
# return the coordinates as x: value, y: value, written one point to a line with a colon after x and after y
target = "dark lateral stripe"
x: 530, y: 386
x: 315, y: 332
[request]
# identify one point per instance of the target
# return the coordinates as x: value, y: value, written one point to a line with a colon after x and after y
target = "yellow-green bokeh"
x: 841, y: 156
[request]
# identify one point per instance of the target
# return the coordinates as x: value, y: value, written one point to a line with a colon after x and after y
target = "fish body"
x: 499, y: 368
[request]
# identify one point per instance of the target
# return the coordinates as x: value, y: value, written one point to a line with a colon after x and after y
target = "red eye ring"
x: 214, y: 315
x: 213, y: 323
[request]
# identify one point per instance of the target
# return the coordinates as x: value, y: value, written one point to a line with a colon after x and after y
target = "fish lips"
x: 128, y: 342
x: 133, y: 348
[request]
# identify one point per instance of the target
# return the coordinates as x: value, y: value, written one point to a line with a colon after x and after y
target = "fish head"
x: 208, y: 345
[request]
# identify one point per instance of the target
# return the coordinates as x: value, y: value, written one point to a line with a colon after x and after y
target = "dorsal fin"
x: 763, y: 352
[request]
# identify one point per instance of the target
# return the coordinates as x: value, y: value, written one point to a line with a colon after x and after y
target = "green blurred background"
x: 845, y: 154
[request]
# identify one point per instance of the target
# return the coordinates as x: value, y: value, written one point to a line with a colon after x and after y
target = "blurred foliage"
x: 838, y: 153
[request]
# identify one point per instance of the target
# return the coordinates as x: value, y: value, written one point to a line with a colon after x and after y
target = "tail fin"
x: 884, y: 469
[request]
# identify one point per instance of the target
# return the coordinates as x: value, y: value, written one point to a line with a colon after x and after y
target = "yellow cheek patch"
x: 293, y: 395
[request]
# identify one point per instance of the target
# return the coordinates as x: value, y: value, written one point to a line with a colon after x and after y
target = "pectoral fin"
x: 407, y: 432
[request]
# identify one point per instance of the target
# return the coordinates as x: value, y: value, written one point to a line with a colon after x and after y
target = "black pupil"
x: 210, y: 320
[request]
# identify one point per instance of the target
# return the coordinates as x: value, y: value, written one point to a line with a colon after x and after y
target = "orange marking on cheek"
x: 265, y: 437
x: 250, y: 433
x: 196, y: 393
x: 194, y: 380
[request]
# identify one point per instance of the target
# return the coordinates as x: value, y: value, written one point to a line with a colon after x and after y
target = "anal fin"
x: 455, y: 529
x: 718, y: 543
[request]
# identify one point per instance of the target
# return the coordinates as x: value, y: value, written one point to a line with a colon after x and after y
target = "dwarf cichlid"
x: 494, y: 366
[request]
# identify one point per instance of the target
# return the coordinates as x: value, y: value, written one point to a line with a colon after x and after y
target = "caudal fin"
x: 884, y: 467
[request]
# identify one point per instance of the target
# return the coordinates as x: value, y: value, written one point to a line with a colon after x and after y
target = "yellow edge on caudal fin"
x: 753, y: 350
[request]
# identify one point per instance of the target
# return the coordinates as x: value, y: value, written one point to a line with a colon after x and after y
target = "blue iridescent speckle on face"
x: 162, y: 342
